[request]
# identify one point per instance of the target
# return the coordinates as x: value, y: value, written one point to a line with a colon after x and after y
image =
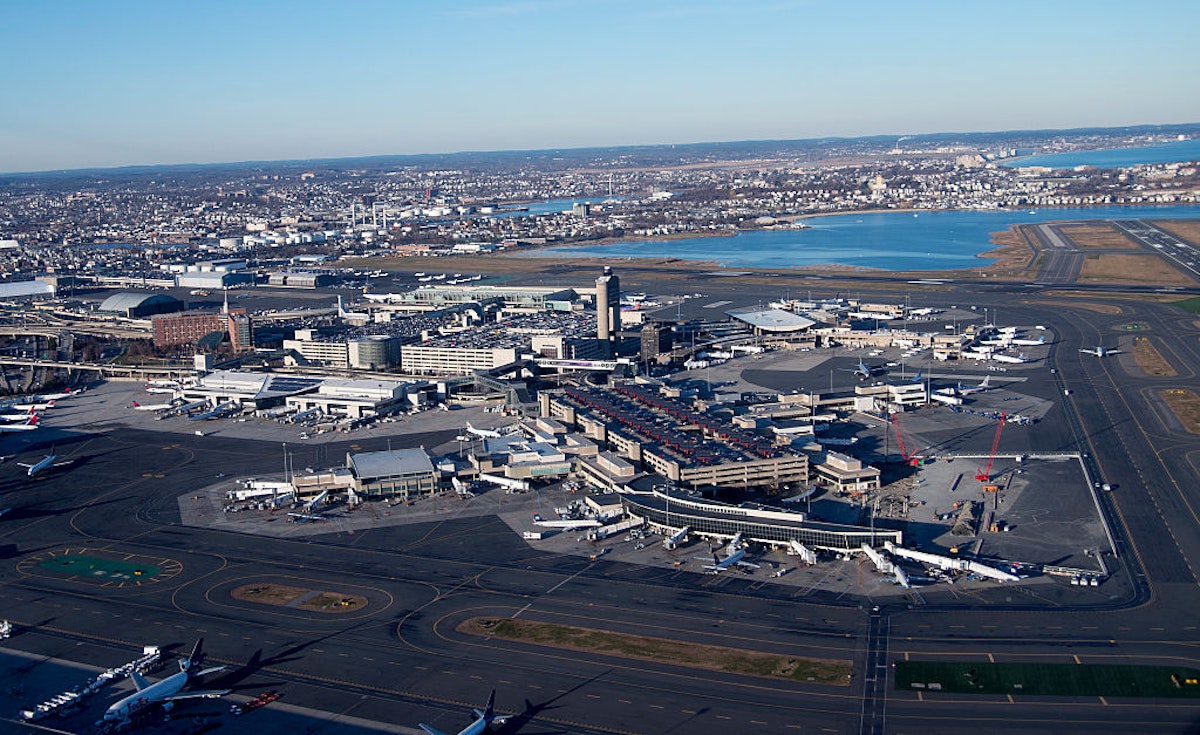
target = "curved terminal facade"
x: 773, y: 527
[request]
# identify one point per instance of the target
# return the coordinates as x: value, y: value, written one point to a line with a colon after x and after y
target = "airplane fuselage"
x: 38, y: 467
x: 153, y: 694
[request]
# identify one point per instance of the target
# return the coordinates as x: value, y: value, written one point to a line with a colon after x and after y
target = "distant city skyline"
x: 139, y: 82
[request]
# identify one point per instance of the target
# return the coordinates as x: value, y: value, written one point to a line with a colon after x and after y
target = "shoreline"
x: 1009, y: 258
x: 1001, y: 253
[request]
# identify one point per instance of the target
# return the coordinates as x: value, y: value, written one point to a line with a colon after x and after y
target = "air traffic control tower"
x: 608, y: 308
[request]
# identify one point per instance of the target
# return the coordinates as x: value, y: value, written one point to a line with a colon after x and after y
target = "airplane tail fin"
x: 195, y: 659
x: 136, y: 404
x: 986, y: 380
x: 489, y: 712
x: 139, y: 681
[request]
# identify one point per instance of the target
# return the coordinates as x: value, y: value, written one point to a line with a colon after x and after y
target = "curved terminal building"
x: 674, y: 509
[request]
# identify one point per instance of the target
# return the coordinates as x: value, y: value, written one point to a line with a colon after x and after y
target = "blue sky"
x: 111, y: 83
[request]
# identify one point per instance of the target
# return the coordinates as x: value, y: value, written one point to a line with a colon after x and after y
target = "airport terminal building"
x: 674, y: 509
x: 400, y: 474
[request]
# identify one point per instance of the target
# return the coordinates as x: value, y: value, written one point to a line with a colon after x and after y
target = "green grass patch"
x: 1192, y: 304
x: 1064, y: 680
x: 714, y: 658
x: 94, y: 567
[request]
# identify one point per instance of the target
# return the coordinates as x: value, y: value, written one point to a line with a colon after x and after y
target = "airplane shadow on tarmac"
x: 233, y: 679
x: 518, y: 723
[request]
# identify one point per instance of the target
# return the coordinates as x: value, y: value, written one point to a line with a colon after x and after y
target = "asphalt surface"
x: 400, y: 660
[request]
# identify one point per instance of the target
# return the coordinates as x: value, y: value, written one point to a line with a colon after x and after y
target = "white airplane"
x: 1099, y: 351
x: 36, y: 406
x: 676, y: 539
x: 864, y: 371
x: 165, y: 692
x: 733, y: 556
x: 484, y: 720
x: 221, y: 411
x: 302, y: 416
x: 21, y: 416
x: 309, y: 511
x: 1031, y: 342
x: 151, y: 406
x: 578, y: 525
x: 1003, y: 340
x: 461, y: 488
x: 1020, y: 359
x: 483, y: 433
x: 45, y: 464
x: 383, y: 298
x: 29, y: 424
x: 983, y: 385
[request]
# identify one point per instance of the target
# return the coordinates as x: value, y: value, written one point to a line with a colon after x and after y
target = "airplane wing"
x: 430, y: 730
x: 22, y: 464
x: 748, y: 564
x: 198, y: 694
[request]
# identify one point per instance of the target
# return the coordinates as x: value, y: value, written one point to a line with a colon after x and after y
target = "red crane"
x: 985, y: 474
x: 910, y: 458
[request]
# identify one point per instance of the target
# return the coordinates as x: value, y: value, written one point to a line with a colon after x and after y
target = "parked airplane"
x: 483, y: 433
x: 733, y: 556
x: 165, y: 692
x: 221, y: 411
x: 151, y: 406
x: 578, y: 525
x: 983, y: 385
x: 383, y: 298
x: 461, y: 488
x: 1031, y: 342
x: 45, y: 464
x: 1099, y: 351
x: 864, y: 371
x: 484, y: 720
x: 29, y: 424
x: 1010, y: 359
x: 37, y: 406
x: 675, y: 539
x: 309, y: 511
x: 17, y: 417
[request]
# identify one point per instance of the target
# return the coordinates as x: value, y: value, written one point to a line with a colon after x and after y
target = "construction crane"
x: 985, y: 474
x: 910, y: 458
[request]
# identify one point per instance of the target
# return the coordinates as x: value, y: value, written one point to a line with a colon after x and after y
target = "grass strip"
x: 829, y: 672
x: 1064, y: 680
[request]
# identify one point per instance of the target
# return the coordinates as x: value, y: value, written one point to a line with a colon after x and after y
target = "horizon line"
x: 135, y: 167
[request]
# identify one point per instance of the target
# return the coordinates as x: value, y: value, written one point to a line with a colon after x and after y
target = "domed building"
x: 136, y: 305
